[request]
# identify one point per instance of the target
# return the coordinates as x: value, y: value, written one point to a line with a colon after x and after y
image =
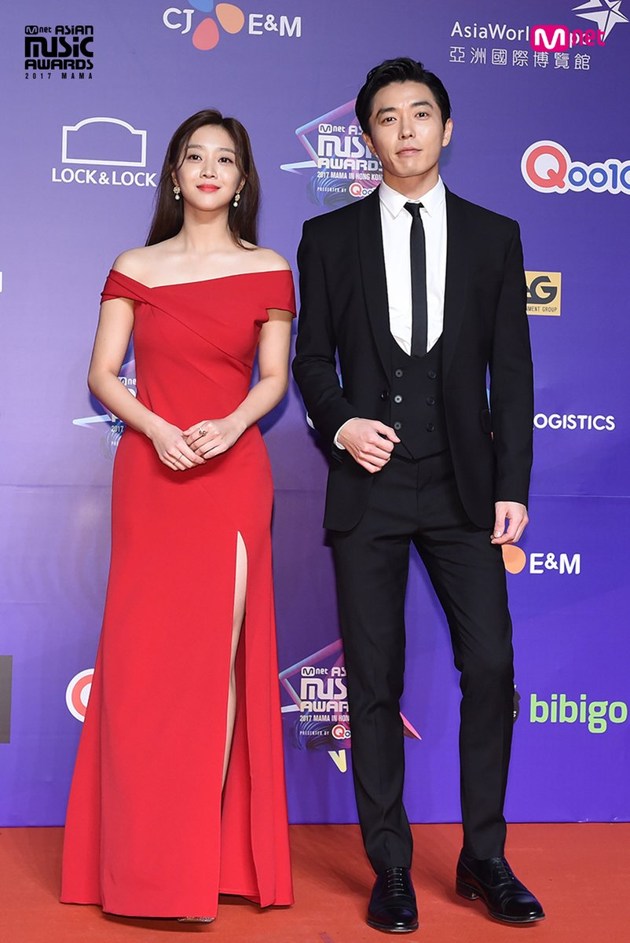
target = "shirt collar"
x: 394, y: 202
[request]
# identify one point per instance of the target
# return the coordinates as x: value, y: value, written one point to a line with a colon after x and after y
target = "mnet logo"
x: 595, y: 715
x: 544, y: 292
x: 560, y: 38
x: 325, y: 128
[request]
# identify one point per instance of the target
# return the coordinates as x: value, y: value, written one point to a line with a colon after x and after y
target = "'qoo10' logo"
x: 548, y: 168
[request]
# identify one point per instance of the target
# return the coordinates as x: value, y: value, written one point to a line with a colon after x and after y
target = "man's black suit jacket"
x: 344, y: 314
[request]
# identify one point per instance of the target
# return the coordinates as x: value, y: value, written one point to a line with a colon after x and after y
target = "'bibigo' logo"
x: 206, y: 34
x: 548, y: 168
x: 544, y: 291
x: 559, y: 709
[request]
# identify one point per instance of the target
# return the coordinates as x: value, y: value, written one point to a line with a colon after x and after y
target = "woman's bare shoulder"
x: 139, y: 263
x: 267, y: 260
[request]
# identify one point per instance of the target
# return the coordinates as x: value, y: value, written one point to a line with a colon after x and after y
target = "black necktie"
x: 418, y: 282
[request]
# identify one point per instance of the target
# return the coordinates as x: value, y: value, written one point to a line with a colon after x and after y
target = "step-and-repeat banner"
x: 92, y: 92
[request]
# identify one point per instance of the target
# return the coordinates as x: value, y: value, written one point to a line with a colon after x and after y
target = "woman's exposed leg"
x: 240, y: 591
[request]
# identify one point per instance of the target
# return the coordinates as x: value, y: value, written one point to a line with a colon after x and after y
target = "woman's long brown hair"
x: 169, y: 212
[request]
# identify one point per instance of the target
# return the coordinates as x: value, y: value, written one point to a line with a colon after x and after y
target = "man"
x: 419, y: 294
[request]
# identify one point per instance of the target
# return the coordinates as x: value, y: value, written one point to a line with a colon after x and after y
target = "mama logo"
x: 206, y: 34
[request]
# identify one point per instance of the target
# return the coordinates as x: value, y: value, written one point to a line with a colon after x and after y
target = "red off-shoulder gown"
x: 149, y: 831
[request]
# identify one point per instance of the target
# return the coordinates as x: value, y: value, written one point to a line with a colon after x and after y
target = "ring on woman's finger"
x: 201, y: 432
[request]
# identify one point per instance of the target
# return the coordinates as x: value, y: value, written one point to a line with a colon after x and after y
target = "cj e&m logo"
x: 560, y: 709
x: 205, y: 33
x: 6, y: 685
x: 544, y: 291
x: 112, y: 145
x: 547, y: 167
x: 65, y: 50
x: 541, y: 563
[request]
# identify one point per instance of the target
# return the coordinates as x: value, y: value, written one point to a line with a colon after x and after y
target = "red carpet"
x: 581, y: 873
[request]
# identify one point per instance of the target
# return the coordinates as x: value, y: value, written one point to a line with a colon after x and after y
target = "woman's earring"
x: 237, y: 197
x: 176, y: 191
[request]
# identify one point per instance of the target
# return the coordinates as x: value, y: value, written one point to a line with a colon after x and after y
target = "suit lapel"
x: 372, y: 262
x: 456, y: 276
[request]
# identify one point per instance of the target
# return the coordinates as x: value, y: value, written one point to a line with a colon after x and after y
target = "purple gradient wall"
x: 84, y: 133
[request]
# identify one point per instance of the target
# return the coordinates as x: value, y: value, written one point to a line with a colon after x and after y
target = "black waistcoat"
x: 416, y: 408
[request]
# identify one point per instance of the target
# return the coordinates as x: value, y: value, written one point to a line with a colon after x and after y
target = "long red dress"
x: 149, y: 831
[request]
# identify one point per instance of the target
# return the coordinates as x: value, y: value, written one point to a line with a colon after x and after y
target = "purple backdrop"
x: 92, y: 93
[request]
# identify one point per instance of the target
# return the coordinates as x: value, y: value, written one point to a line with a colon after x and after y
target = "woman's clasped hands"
x: 211, y: 437
x: 183, y: 449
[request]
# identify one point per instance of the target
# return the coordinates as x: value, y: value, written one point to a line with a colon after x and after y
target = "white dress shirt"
x: 396, y: 224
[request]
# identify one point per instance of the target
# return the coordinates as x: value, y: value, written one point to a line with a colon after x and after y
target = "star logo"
x: 114, y: 426
x: 606, y: 13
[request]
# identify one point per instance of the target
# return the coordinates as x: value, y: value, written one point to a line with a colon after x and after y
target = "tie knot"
x: 414, y: 209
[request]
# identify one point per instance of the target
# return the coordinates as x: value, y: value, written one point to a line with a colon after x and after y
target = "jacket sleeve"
x: 315, y: 363
x: 511, y: 381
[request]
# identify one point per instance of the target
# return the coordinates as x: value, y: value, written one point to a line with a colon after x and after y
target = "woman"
x: 178, y: 792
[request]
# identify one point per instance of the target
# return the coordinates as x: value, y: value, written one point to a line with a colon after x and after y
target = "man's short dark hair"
x: 399, y: 70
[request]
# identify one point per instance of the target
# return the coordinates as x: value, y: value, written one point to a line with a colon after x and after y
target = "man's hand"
x: 369, y: 442
x: 516, y: 517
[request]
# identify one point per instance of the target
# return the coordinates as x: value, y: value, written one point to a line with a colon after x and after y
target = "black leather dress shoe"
x: 392, y: 906
x: 492, y: 880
